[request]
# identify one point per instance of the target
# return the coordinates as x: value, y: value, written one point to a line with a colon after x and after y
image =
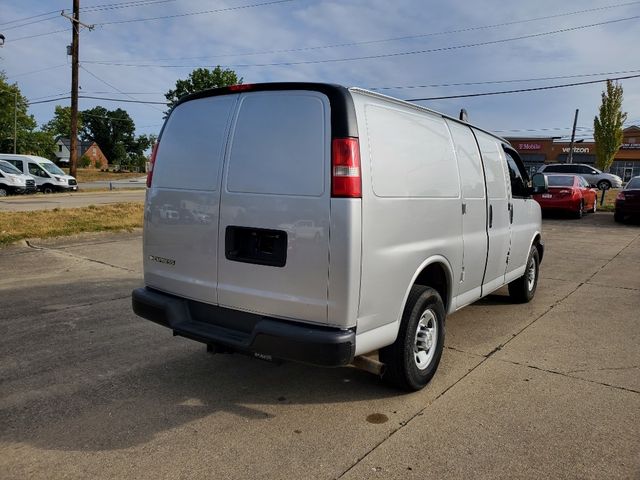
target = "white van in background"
x: 13, y: 180
x: 48, y: 176
x: 340, y: 222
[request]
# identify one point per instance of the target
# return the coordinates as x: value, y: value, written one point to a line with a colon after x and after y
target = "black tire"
x: 47, y: 188
x: 604, y: 185
x: 523, y: 289
x: 580, y: 212
x: 618, y: 217
x: 3, y: 192
x: 424, y: 307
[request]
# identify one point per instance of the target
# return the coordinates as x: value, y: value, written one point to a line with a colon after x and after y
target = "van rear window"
x: 192, y: 145
x: 280, y: 144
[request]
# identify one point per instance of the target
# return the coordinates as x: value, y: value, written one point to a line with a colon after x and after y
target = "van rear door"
x: 273, y: 257
x: 181, y: 211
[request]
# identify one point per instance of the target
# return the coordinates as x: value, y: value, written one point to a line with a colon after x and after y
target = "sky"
x: 406, y: 49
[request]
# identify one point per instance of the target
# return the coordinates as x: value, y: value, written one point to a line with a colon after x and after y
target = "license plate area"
x: 256, y: 245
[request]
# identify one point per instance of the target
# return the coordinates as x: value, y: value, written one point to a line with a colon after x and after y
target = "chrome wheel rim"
x: 426, y: 339
x: 531, y: 274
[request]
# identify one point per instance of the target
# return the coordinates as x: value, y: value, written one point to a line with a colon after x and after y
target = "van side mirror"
x: 539, y: 184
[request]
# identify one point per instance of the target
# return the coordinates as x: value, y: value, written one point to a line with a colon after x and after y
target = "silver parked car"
x: 594, y: 176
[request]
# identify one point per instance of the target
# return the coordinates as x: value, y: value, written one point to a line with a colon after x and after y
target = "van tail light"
x: 620, y: 196
x: 152, y: 162
x: 346, y: 180
x: 240, y: 87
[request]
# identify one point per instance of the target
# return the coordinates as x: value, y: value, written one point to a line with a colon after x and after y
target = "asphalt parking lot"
x: 550, y: 389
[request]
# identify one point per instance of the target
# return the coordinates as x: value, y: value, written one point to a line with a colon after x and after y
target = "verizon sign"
x: 577, y: 150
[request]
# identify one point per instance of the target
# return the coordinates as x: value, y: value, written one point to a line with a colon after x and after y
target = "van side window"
x: 16, y: 163
x: 37, y: 170
x: 517, y: 176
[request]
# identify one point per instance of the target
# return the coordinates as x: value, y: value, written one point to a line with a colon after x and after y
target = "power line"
x: 99, y: 98
x: 523, y: 90
x: 31, y: 22
x: 29, y: 18
x: 504, y: 92
x: 388, y: 55
x: 38, y: 35
x: 406, y: 37
x: 115, y: 88
x: 178, y: 15
x: 52, y: 15
x: 37, y: 71
x: 115, y: 6
x: 490, y: 82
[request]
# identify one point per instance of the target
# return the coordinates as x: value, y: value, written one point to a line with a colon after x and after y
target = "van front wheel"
x: 412, y: 360
x: 522, y: 289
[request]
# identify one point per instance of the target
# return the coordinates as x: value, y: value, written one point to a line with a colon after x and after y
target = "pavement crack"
x: 406, y: 422
x: 89, y: 304
x: 463, y: 351
x: 566, y: 375
x: 74, y: 255
x: 603, y: 369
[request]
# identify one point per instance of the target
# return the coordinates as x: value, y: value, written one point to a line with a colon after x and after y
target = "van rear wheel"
x: 412, y: 360
x: 522, y: 289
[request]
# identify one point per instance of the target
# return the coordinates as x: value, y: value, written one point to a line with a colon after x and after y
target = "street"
x: 549, y: 389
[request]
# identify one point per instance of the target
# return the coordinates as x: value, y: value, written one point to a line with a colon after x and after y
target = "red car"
x: 570, y: 193
x: 628, y: 201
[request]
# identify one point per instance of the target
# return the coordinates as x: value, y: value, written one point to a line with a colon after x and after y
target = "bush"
x: 98, y: 164
x: 85, y: 162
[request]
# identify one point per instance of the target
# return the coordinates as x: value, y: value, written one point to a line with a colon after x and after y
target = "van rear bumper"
x: 245, y: 332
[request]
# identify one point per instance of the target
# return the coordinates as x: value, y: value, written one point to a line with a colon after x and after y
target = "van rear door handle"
x: 490, y: 216
x: 511, y: 213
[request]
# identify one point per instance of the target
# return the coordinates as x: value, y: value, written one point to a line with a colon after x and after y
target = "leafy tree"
x: 112, y: 130
x: 60, y: 124
x: 13, y: 105
x: 201, y: 79
x: 40, y: 143
x: 608, y: 126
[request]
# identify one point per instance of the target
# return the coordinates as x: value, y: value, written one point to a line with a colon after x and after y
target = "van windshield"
x: 52, y: 168
x: 8, y: 168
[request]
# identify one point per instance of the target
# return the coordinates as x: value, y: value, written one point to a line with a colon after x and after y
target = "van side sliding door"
x: 474, y: 213
x: 498, y: 211
x: 522, y: 215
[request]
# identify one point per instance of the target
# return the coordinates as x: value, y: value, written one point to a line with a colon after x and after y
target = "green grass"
x: 58, y: 222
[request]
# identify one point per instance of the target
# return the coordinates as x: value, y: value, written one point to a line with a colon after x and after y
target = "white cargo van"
x: 48, y: 176
x: 409, y: 215
x: 13, y: 180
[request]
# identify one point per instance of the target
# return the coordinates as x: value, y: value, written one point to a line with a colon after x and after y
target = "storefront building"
x: 535, y: 152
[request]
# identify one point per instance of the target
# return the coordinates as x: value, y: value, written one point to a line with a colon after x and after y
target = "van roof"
x: 15, y: 156
x: 339, y: 96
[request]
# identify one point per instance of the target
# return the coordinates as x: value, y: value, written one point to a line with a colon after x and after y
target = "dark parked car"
x: 628, y: 201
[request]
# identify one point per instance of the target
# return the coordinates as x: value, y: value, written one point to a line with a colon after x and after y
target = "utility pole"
x: 75, y: 59
x: 573, y: 136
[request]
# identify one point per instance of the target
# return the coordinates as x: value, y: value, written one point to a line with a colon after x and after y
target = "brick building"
x: 537, y: 151
x: 85, y: 148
